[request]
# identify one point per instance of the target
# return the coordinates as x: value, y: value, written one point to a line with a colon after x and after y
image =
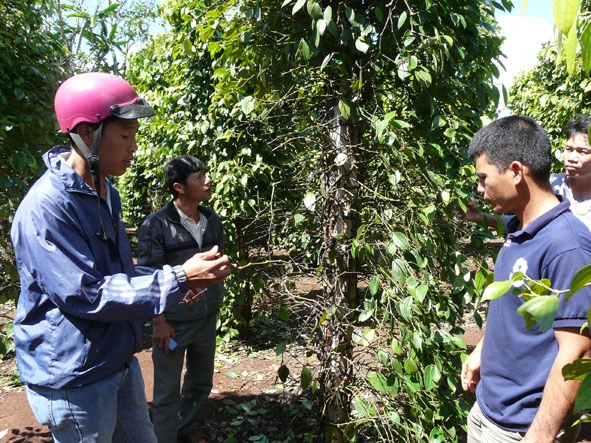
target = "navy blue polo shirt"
x: 516, y: 362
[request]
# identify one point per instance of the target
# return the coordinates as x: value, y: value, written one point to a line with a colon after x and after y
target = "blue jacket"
x: 162, y: 239
x: 82, y: 300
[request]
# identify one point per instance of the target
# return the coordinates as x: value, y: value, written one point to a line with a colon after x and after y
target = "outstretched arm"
x: 474, y: 215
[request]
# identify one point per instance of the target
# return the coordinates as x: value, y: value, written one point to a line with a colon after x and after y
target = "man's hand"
x: 471, y: 369
x: 206, y: 268
x: 162, y: 332
x: 472, y: 213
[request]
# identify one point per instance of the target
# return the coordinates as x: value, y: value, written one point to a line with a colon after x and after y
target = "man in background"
x: 179, y: 230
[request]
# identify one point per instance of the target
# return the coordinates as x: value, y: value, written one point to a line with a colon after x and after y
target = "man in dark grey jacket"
x: 168, y: 237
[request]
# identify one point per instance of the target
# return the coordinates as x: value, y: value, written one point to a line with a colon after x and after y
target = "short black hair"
x: 515, y: 138
x: 579, y: 125
x: 179, y: 168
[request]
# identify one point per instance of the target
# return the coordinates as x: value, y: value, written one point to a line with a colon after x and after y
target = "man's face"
x: 118, y: 146
x: 198, y: 187
x: 498, y: 187
x: 577, y: 156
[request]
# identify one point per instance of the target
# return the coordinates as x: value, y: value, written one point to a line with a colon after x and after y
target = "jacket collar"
x: 55, y: 160
x: 174, y: 216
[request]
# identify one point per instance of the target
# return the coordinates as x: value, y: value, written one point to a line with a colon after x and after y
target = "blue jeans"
x: 111, y: 410
x: 175, y: 410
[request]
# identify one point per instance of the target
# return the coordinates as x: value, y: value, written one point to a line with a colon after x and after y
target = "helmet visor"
x: 137, y: 109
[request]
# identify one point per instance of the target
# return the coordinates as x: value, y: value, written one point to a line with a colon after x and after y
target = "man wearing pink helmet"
x: 82, y: 300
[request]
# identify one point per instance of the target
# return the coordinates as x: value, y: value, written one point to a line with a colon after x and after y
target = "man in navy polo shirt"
x: 516, y: 373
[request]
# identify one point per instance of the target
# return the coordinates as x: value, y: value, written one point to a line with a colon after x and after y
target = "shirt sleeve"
x: 60, y: 261
x: 571, y: 314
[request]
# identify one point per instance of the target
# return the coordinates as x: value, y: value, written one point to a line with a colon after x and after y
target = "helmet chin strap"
x: 92, y: 157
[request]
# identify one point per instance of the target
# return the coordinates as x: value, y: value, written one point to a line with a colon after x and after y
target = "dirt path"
x: 247, y: 398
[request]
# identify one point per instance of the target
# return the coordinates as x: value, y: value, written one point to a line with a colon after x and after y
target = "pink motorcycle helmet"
x: 95, y: 96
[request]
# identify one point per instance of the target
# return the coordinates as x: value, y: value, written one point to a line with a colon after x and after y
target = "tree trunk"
x: 341, y: 219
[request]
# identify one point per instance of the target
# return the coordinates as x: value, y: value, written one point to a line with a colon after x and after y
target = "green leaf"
x: 405, y: 308
x: 577, y: 370
x: 305, y: 377
x: 399, y: 270
x: 188, y: 46
x: 410, y: 366
x: 345, y: 109
x: 581, y: 279
x: 321, y: 26
x: 247, y: 105
x: 350, y: 14
x: 283, y: 313
x: 283, y: 373
x: 540, y: 310
x: 565, y: 14
x: 379, y: 383
x: 316, y: 12
x: 298, y: 218
x: 423, y: 77
x: 374, y: 285
x: 303, y: 50
x: 570, y: 49
x: 400, y: 240
x: 361, y: 45
x: 496, y: 289
x: 421, y: 292
x: 402, y: 19
x: 364, y: 409
x: 299, y: 5
x: 232, y: 374
x: 431, y: 376
x: 583, y: 398
x: 280, y: 349
x: 585, y: 41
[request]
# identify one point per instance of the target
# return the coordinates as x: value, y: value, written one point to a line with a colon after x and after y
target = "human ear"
x: 86, y: 132
x: 517, y: 169
x: 179, y: 188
